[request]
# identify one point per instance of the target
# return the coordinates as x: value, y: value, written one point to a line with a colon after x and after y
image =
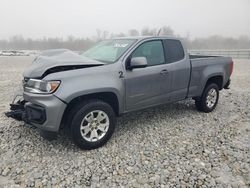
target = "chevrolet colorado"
x: 86, y: 92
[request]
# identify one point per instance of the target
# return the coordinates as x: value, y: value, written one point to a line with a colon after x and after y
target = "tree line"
x: 81, y: 44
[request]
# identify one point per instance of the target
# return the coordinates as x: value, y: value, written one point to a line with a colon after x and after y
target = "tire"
x: 92, y: 124
x: 209, y: 99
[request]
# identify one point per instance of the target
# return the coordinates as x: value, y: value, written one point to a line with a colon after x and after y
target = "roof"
x: 146, y: 37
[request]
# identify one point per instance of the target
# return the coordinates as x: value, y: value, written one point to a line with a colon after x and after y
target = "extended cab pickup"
x: 86, y: 92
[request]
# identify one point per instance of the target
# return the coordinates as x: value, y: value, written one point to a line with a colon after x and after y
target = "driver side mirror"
x: 138, y: 62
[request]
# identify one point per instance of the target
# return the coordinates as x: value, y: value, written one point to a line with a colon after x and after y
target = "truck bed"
x: 202, y: 66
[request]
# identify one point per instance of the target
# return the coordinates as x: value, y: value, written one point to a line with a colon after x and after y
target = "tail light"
x: 231, y: 67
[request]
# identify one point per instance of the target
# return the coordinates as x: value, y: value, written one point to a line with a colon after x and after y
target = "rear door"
x: 148, y: 86
x: 178, y: 68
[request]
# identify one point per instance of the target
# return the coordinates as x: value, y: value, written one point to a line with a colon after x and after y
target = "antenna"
x: 159, y: 32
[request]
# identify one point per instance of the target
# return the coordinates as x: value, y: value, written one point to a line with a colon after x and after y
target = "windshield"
x: 109, y: 51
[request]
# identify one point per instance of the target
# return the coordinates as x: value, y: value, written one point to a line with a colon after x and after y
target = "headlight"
x: 41, y: 86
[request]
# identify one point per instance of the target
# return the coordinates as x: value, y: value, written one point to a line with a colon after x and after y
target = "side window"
x: 173, y: 50
x: 152, y: 51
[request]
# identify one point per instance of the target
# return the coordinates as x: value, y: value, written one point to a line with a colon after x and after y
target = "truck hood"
x: 58, y: 60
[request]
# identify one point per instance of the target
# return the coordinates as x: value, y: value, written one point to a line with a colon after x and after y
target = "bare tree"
x: 166, y: 30
x: 146, y: 31
x: 213, y: 42
x: 133, y: 32
x: 120, y: 35
x: 105, y: 34
x: 99, y: 33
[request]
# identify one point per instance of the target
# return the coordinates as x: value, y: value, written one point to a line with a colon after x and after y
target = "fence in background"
x: 241, y: 54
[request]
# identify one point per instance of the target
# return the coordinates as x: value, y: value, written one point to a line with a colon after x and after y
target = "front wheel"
x: 93, y: 124
x: 209, y: 99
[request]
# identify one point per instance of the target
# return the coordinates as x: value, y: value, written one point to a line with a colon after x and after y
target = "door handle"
x: 164, y: 71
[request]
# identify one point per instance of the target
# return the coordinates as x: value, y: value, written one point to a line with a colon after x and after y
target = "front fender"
x: 82, y: 93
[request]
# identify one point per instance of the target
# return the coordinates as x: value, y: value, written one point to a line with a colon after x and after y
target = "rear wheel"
x: 92, y: 125
x: 209, y: 99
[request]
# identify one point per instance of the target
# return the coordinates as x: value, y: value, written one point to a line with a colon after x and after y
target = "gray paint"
x: 136, y: 89
x: 54, y: 109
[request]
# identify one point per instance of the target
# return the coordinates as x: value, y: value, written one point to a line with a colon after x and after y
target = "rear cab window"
x: 173, y: 50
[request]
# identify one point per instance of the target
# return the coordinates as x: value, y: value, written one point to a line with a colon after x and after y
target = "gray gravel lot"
x: 169, y: 146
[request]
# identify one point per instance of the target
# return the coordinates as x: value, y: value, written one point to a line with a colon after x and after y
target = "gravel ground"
x: 169, y: 146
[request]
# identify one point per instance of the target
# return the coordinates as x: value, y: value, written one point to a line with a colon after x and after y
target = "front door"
x: 148, y: 86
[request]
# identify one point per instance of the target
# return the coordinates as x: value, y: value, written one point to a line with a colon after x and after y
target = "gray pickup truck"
x: 86, y: 92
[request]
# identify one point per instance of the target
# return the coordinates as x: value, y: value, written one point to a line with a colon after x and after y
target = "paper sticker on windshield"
x: 117, y: 45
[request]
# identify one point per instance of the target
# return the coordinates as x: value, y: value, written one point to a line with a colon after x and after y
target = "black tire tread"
x: 200, y: 102
x: 77, y: 112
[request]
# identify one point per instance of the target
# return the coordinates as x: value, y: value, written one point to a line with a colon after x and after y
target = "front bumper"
x: 42, y: 111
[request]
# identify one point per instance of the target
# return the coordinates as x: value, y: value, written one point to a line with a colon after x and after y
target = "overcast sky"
x: 81, y: 18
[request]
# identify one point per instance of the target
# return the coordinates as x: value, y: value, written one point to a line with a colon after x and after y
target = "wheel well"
x: 217, y: 80
x: 107, y: 97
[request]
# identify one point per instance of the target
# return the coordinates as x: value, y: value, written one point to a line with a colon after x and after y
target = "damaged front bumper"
x: 29, y: 113
x: 43, y: 111
x: 17, y: 109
